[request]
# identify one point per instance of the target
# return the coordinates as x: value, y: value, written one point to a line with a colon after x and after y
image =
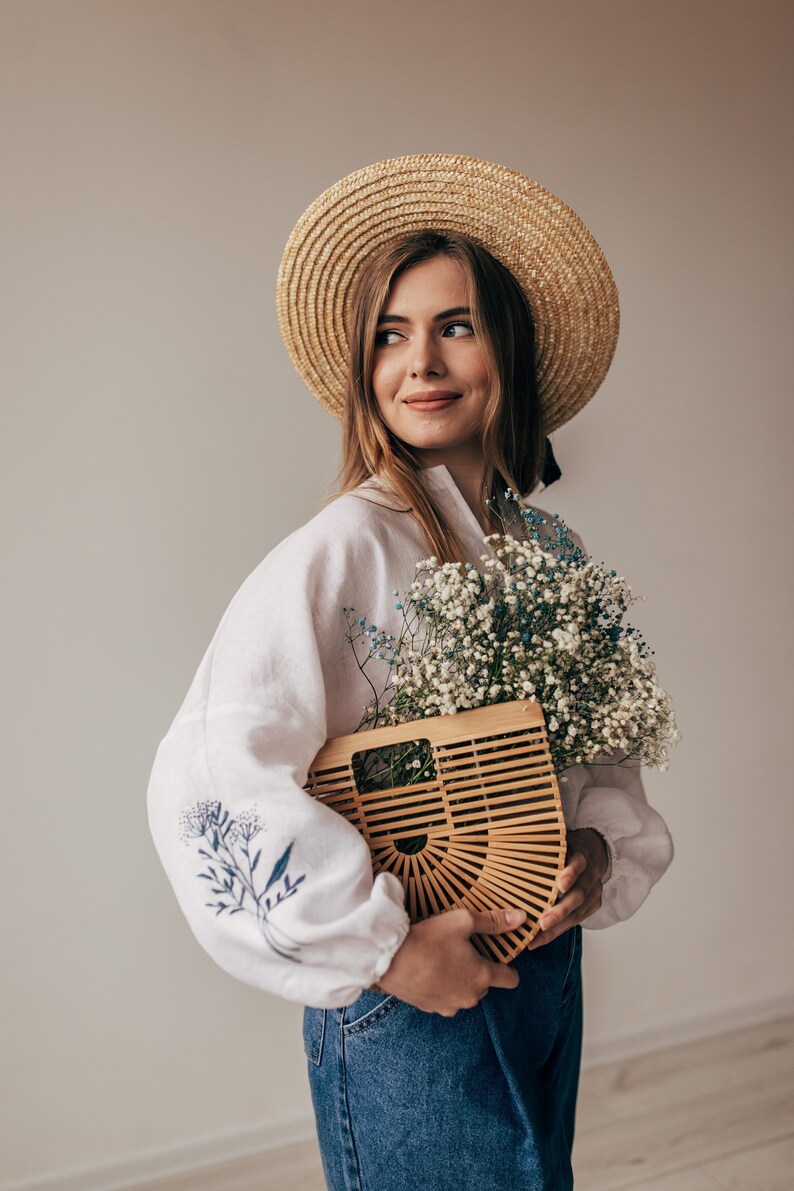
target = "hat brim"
x: 543, y: 243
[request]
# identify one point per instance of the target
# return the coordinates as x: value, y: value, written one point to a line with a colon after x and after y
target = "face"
x: 430, y: 378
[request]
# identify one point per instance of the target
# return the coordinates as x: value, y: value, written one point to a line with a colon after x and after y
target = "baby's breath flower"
x: 539, y: 619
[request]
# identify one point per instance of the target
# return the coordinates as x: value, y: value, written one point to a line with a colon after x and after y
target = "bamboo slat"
x: 491, y: 818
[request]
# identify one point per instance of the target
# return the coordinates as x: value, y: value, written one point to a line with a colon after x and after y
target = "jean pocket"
x: 313, y: 1034
x: 367, y: 1011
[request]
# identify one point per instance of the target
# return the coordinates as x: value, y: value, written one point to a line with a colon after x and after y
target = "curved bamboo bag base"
x: 491, y: 818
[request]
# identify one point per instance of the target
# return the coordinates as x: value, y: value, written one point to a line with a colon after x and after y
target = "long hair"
x: 512, y: 433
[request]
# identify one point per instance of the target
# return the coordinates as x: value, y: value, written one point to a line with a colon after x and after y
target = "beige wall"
x: 157, y: 444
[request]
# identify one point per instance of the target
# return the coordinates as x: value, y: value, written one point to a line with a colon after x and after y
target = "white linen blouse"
x: 277, y: 887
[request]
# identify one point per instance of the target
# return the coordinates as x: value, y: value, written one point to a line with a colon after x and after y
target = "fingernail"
x: 515, y: 917
x: 545, y: 923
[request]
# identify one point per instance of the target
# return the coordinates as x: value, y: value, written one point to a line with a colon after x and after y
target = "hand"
x: 439, y: 970
x: 580, y: 882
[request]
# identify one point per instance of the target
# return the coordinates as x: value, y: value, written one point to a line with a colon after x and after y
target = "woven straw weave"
x: 533, y: 233
x: 491, y: 818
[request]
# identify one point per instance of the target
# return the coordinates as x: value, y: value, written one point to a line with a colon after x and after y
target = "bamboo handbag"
x: 482, y: 828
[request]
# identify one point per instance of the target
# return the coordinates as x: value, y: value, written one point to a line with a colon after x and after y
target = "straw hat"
x: 535, y: 235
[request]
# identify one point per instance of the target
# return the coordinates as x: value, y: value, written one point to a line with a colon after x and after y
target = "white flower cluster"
x: 531, y: 625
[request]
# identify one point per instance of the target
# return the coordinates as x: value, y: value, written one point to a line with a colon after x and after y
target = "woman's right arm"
x: 276, y: 887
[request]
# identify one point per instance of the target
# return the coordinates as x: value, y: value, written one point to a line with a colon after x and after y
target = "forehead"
x: 428, y: 286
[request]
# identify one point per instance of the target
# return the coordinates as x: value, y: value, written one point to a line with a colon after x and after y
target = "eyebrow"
x: 399, y: 318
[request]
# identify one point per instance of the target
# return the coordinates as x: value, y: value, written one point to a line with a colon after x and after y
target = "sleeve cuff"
x: 610, y: 847
x: 391, y: 887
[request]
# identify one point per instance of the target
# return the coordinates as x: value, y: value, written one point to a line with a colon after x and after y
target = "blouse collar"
x: 453, y: 505
x: 438, y: 479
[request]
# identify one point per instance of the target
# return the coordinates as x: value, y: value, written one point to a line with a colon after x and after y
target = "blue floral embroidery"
x: 230, y: 869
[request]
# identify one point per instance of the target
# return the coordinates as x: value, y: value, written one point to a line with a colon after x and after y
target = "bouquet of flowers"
x: 539, y: 621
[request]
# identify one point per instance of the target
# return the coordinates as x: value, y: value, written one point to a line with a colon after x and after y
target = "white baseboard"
x: 224, y: 1147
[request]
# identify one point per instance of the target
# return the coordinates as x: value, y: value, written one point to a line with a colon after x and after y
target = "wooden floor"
x: 712, y: 1114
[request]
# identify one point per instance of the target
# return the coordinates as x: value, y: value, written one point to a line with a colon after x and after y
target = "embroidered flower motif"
x: 230, y: 867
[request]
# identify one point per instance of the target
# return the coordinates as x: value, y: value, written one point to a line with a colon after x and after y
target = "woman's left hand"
x: 579, y: 882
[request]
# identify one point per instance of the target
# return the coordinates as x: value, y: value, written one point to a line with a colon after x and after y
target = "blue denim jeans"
x: 482, y: 1101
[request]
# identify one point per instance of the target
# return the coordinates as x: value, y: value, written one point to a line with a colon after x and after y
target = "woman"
x: 475, y: 313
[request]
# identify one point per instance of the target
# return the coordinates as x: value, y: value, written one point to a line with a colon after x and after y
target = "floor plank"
x: 290, y: 1168
x: 683, y: 1133
x: 762, y: 1168
x: 690, y: 1179
x: 689, y: 1072
x: 713, y: 1115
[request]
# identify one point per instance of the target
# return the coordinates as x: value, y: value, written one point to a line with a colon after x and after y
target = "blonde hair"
x: 513, y: 437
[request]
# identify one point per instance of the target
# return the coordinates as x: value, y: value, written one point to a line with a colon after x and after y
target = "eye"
x: 457, y: 333
x: 382, y: 338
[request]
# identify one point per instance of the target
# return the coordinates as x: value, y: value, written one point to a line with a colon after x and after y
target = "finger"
x: 540, y: 940
x: 567, y: 905
x: 553, y: 932
x: 493, y: 922
x: 571, y: 873
x: 565, y: 914
x: 503, y: 976
x: 586, y: 907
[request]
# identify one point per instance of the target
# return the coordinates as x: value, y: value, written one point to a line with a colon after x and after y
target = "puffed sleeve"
x: 276, y: 887
x: 610, y: 798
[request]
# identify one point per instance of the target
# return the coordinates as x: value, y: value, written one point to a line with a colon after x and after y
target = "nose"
x: 426, y: 358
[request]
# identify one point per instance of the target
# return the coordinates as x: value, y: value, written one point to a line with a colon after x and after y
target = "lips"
x: 432, y: 397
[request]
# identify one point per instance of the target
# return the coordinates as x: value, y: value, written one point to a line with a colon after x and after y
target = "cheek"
x: 380, y: 379
x: 472, y: 367
x: 480, y: 382
x: 383, y: 392
x: 385, y: 384
x: 480, y: 372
